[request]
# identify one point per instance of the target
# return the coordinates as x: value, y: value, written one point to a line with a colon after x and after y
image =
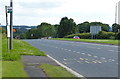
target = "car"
x: 76, y: 37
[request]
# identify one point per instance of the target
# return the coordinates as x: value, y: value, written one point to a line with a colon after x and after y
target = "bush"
x: 81, y: 35
x: 105, y: 35
x: 117, y: 36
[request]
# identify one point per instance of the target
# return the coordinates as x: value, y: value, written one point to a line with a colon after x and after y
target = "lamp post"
x: 119, y: 12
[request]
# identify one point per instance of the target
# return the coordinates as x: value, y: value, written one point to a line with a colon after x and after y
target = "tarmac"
x: 32, y: 63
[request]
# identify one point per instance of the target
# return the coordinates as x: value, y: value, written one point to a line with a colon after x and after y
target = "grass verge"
x: 13, y: 69
x: 11, y: 62
x: 0, y: 55
x: 19, y: 48
x: 102, y: 41
x: 55, y: 71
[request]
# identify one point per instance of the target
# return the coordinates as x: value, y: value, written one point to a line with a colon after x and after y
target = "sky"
x: 34, y: 12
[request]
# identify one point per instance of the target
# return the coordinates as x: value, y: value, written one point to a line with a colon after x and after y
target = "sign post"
x: 9, y: 9
x: 11, y: 23
x: 7, y: 28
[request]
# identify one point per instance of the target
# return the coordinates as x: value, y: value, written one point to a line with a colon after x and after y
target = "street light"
x: 119, y: 12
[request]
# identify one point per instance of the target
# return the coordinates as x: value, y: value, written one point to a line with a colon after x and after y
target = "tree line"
x: 66, y: 27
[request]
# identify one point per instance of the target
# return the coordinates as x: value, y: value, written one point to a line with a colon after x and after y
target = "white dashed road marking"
x: 95, y: 56
x: 78, y: 52
x: 83, y: 53
x: 89, y: 54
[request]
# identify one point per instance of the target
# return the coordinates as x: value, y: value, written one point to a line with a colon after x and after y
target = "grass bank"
x: 19, y: 48
x: 0, y: 55
x: 102, y: 41
x: 55, y: 71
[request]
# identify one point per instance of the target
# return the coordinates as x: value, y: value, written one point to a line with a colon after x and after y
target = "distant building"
x: 119, y: 12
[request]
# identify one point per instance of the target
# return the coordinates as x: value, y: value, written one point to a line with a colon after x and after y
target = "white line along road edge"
x: 68, y: 69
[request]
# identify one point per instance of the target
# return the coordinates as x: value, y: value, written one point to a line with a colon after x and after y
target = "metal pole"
x: 11, y: 25
x: 116, y: 14
x: 6, y: 28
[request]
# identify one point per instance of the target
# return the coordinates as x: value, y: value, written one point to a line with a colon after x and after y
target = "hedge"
x: 105, y: 35
x: 81, y: 35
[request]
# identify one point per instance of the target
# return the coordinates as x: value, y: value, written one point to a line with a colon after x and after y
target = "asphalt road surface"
x: 88, y: 59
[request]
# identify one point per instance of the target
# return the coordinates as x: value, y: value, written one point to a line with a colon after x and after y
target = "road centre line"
x: 83, y: 53
x: 77, y: 52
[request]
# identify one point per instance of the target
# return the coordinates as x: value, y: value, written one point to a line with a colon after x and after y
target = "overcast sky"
x: 33, y: 12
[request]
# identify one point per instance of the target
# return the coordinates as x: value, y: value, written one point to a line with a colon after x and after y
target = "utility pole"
x: 11, y: 25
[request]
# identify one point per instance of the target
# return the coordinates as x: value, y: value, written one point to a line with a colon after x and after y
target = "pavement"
x: 32, y: 63
x: 88, y: 59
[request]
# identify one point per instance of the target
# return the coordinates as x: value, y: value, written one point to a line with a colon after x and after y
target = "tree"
x: 66, y: 27
x: 56, y: 30
x: 32, y: 34
x: 105, y: 27
x: 84, y: 27
x: 46, y: 30
x: 115, y: 27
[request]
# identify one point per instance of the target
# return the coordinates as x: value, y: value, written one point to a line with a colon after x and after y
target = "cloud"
x: 33, y: 12
x: 41, y: 5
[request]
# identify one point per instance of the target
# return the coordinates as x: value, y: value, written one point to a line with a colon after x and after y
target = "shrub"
x: 105, y: 35
x: 117, y: 36
x: 81, y: 35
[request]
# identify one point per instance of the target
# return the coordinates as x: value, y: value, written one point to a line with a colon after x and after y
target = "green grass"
x: 13, y: 69
x: 103, y: 41
x: 19, y: 48
x: 0, y: 55
x: 55, y: 71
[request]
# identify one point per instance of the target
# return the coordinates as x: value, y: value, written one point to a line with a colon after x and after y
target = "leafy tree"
x: 56, y: 30
x: 67, y: 27
x: 46, y: 30
x: 115, y: 27
x: 84, y: 27
x: 105, y: 27
x: 32, y: 34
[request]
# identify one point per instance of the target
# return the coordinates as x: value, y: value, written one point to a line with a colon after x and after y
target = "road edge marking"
x: 67, y: 68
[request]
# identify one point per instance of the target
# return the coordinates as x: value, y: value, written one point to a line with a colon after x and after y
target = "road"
x: 88, y: 59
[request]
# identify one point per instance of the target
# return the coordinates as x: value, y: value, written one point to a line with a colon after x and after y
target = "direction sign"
x: 95, y: 29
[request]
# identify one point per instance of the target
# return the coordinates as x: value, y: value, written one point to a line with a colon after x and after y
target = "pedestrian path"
x: 32, y: 63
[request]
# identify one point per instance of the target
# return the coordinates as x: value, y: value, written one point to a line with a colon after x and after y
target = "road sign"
x: 14, y: 30
x: 8, y: 31
x: 9, y: 9
x: 95, y: 29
